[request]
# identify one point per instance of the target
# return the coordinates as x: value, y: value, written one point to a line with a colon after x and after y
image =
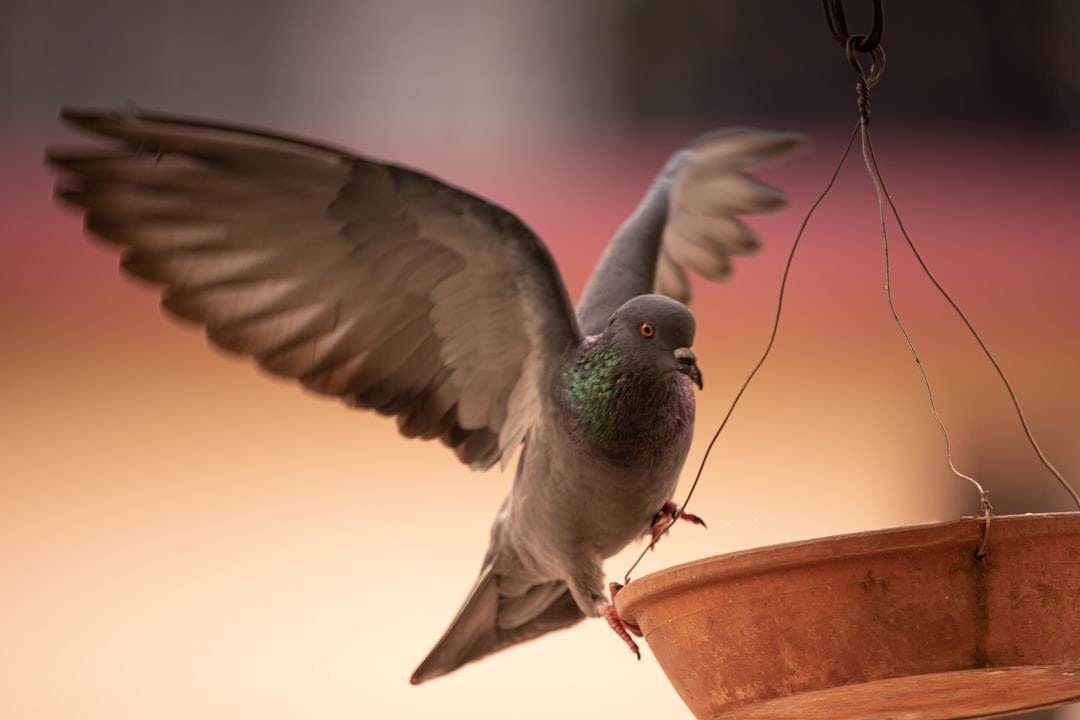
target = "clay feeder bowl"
x: 903, y: 623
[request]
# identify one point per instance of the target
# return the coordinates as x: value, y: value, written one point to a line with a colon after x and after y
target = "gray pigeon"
x: 394, y: 291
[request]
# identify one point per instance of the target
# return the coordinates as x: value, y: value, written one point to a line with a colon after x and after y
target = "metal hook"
x: 834, y: 13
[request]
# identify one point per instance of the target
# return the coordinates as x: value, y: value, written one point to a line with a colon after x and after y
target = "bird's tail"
x: 490, y: 621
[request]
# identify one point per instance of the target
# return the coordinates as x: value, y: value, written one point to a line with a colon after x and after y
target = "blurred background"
x: 183, y: 537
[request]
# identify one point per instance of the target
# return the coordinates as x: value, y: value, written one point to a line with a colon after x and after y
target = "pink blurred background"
x: 183, y: 537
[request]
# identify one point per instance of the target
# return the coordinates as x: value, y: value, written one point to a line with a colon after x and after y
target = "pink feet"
x: 667, y: 517
x: 660, y: 524
x: 622, y: 629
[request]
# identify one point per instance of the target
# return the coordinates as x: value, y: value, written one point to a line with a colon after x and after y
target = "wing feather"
x: 370, y: 282
x: 687, y: 221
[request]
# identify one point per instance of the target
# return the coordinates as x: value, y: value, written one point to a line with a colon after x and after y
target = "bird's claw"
x: 614, y: 589
x: 621, y: 628
x: 667, y: 517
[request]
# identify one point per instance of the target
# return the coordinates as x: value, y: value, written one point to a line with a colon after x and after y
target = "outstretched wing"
x: 365, y: 281
x: 688, y: 219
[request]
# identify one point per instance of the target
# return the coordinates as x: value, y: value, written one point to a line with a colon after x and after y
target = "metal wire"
x: 760, y: 362
x: 868, y: 78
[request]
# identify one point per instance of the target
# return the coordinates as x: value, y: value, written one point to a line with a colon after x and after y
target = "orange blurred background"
x: 181, y: 536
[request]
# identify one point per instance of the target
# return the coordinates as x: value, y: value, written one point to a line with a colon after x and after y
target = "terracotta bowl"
x: 902, y: 623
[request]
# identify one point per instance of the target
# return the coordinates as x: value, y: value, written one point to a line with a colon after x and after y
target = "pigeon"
x: 399, y: 293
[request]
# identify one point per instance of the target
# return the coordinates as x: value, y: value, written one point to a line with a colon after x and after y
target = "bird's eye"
x: 647, y: 329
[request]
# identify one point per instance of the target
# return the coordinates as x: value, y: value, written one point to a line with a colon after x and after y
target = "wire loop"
x: 872, y: 76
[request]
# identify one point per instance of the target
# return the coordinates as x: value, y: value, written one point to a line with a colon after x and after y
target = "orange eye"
x: 647, y: 329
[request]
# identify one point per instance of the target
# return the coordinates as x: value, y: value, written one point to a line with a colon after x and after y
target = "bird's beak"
x: 688, y: 365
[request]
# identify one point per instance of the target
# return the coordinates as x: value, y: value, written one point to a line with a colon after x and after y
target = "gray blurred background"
x: 508, y: 67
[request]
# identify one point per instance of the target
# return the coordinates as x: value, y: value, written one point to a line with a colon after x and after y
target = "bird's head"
x: 660, y: 332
